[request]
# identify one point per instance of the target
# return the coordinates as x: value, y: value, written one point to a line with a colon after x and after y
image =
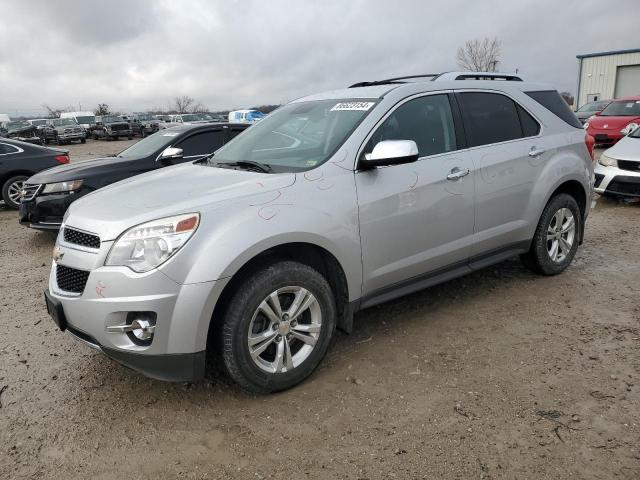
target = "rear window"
x: 552, y: 101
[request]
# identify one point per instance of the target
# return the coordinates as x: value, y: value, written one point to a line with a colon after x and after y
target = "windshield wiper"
x: 248, y: 164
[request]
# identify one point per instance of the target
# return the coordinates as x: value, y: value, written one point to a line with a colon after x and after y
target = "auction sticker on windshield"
x: 364, y: 106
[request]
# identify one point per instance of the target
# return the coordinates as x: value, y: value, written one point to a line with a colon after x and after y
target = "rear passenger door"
x: 416, y: 219
x: 505, y: 148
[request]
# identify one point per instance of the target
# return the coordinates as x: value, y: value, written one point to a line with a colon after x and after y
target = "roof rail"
x: 477, y: 76
x: 393, y: 80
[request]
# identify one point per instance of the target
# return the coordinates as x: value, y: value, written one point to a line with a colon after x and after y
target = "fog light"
x: 142, y: 329
x: 139, y: 327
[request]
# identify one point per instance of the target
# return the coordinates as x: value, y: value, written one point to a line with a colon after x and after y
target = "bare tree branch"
x: 480, y: 55
x: 183, y: 104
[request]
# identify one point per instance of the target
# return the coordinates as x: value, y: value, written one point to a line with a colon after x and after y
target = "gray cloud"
x: 139, y: 54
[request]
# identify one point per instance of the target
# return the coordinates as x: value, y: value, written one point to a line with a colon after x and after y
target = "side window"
x: 530, y: 127
x: 490, y: 118
x: 6, y: 149
x: 201, y: 143
x: 233, y: 133
x: 428, y: 121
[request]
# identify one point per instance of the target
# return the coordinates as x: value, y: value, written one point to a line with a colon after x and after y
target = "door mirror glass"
x: 391, y: 152
x: 171, y: 153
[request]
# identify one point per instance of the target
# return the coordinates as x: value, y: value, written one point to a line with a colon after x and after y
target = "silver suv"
x: 331, y: 204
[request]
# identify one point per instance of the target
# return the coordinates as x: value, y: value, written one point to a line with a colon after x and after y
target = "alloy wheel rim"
x: 15, y: 192
x: 561, y: 234
x: 284, y: 329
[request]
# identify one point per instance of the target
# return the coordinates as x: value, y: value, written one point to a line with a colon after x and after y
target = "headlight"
x: 147, y: 246
x: 629, y: 128
x: 607, y: 161
x: 586, y: 125
x: 62, y: 186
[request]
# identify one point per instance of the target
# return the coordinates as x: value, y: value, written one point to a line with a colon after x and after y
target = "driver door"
x: 416, y: 219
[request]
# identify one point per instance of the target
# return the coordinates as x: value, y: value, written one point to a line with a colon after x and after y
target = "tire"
x: 58, y: 141
x: 107, y: 138
x: 548, y: 237
x: 130, y: 137
x: 243, y: 316
x: 46, y: 140
x: 83, y: 140
x: 10, y: 190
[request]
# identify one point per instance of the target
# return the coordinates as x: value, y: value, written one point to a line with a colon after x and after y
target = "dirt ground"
x: 501, y: 374
x: 95, y: 148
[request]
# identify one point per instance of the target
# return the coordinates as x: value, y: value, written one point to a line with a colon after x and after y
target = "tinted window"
x: 490, y: 118
x: 201, y: 143
x: 4, y: 149
x: 530, y: 127
x: 428, y: 121
x: 552, y: 101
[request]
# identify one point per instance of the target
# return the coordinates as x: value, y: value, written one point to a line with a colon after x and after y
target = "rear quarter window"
x: 552, y: 101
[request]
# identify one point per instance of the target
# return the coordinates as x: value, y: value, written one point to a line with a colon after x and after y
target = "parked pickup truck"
x: 111, y: 127
x: 61, y: 131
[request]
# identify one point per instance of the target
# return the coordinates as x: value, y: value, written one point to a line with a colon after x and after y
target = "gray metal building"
x: 606, y: 75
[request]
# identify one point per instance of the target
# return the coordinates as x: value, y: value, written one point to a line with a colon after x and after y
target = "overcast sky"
x: 136, y: 54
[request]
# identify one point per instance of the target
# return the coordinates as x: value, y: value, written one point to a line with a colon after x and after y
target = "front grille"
x: 29, y: 191
x: 629, y: 165
x: 625, y: 185
x: 77, y: 237
x: 70, y: 279
x: 118, y: 128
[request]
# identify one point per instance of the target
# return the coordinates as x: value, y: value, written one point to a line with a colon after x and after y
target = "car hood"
x: 82, y: 170
x: 628, y: 148
x: 170, y: 191
x: 612, y: 122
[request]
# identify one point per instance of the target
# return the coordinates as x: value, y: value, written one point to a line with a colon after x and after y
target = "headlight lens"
x: 62, y: 186
x: 147, y: 246
x: 586, y: 125
x: 607, y: 161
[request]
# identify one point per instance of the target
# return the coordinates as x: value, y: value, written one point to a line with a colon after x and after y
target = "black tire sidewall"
x: 5, y: 190
x: 539, y: 247
x: 235, y: 352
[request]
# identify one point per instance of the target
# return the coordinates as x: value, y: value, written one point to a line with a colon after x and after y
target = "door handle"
x: 457, y: 173
x: 535, y: 152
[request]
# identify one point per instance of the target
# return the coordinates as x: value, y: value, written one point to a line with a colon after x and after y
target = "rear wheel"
x: 12, y: 191
x: 557, y: 236
x: 83, y: 140
x: 277, y: 327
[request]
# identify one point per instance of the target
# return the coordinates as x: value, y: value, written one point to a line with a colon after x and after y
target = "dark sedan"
x: 20, y: 160
x: 588, y: 110
x: 57, y: 188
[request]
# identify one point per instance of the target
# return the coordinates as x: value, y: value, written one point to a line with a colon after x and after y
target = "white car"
x: 618, y: 169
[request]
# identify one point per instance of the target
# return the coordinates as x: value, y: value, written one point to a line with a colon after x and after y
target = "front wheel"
x: 557, y: 236
x: 12, y: 191
x: 277, y: 327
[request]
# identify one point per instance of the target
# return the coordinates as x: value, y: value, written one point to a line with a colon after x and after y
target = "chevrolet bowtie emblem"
x: 57, y: 254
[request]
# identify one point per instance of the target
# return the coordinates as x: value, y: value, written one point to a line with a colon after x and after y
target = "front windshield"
x: 189, y: 118
x: 62, y: 122
x: 144, y: 117
x: 111, y: 119
x: 87, y: 119
x: 630, y: 108
x: 16, y: 125
x: 37, y: 123
x: 204, y: 116
x: 592, y: 107
x: 150, y: 144
x: 298, y: 136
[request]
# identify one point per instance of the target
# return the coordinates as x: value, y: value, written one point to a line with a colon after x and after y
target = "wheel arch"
x: 576, y: 190
x: 306, y: 253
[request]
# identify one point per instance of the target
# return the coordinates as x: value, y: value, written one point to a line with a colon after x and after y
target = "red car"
x: 606, y: 125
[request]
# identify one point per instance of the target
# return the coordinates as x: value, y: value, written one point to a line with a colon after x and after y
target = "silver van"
x: 331, y: 204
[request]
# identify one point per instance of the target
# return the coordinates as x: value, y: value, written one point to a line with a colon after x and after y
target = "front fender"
x: 319, y: 209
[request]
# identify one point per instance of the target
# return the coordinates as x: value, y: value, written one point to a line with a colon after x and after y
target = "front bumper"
x: 119, y: 133
x: 617, y: 181
x: 602, y: 136
x: 110, y: 294
x: 71, y: 136
x: 45, y: 212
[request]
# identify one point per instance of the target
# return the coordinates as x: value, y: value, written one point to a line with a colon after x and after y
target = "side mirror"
x: 597, y: 114
x: 171, y: 153
x: 391, y: 152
